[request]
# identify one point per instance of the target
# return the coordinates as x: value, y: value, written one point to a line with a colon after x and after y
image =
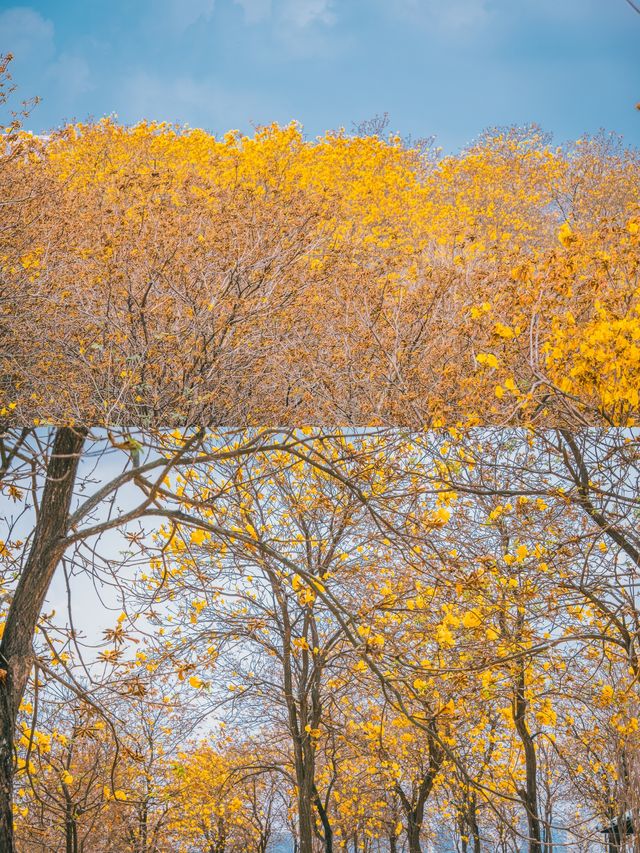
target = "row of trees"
x: 367, y: 641
x: 175, y: 277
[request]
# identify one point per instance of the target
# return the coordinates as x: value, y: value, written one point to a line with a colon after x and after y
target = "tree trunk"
x: 475, y: 832
x: 71, y: 830
x: 6, y: 777
x: 144, y: 816
x: 303, y: 750
x: 305, y: 817
x: 414, y: 809
x: 16, y: 649
x: 68, y: 833
x: 471, y: 818
x: 529, y: 794
x: 414, y: 828
x: 326, y: 825
x: 548, y: 824
x: 462, y: 829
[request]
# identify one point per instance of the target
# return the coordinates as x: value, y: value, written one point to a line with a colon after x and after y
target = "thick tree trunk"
x: 220, y: 844
x: 305, y: 815
x: 469, y: 832
x: 414, y: 829
x: 464, y: 838
x: 16, y: 649
x: 303, y: 749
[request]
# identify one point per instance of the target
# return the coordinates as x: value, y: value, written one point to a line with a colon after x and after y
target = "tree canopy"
x: 174, y: 277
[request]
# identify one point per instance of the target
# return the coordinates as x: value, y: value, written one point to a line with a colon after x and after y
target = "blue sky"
x: 447, y: 68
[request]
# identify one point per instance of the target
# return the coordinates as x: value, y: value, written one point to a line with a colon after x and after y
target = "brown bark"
x: 326, y: 824
x: 71, y: 829
x: 414, y: 808
x: 16, y: 649
x: 468, y: 824
x: 529, y: 794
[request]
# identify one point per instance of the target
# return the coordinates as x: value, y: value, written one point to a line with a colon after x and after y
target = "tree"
x: 48, y: 466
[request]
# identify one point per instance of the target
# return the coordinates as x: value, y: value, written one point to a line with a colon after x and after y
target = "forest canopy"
x: 174, y: 277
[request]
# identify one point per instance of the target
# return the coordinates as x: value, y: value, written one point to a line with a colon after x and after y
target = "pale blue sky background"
x: 443, y: 67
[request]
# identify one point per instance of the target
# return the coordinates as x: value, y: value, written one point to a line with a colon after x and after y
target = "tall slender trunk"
x: 475, y: 832
x: 144, y: 817
x: 326, y: 824
x: 528, y: 794
x: 469, y: 824
x: 548, y: 823
x: 414, y: 808
x: 16, y: 648
x: 298, y: 719
x: 71, y: 829
x: 464, y: 838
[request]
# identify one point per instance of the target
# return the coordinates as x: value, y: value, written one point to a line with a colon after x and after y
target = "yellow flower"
x: 471, y: 619
x: 503, y: 331
x: 487, y: 358
x: 566, y: 235
x: 198, y: 536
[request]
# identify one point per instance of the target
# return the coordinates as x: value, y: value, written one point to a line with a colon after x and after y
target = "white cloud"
x: 71, y: 75
x: 302, y: 14
x: 295, y: 15
x: 466, y: 16
x: 39, y: 68
x: 255, y: 10
x: 568, y: 10
x: 203, y: 102
x: 181, y: 14
x: 305, y: 28
x: 452, y: 15
x: 26, y: 34
x: 463, y: 13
